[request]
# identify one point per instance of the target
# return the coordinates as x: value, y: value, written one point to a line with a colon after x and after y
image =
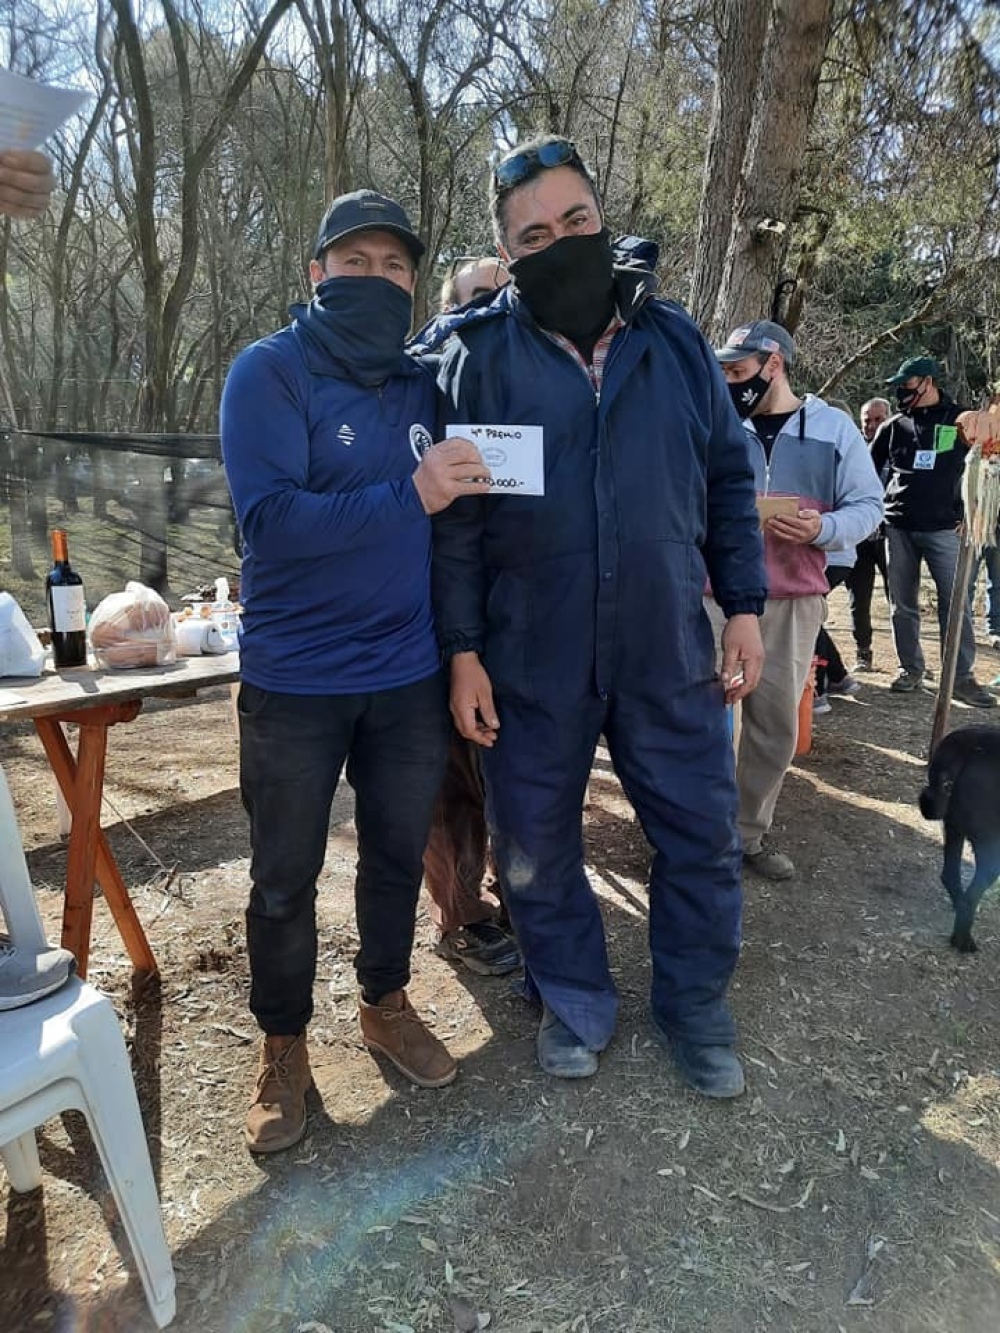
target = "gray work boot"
x: 714, y: 1071
x: 560, y: 1051
x: 769, y: 863
x: 31, y: 974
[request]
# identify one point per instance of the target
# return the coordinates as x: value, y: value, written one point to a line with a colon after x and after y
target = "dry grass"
x: 854, y: 1187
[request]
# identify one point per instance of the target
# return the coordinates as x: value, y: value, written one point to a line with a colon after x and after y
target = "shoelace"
x: 276, y: 1069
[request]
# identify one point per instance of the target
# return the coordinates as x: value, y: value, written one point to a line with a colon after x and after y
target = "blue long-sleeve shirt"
x: 336, y: 564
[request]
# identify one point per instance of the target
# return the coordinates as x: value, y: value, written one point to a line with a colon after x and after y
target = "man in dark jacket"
x: 326, y: 434
x: 575, y: 608
x: 923, y: 510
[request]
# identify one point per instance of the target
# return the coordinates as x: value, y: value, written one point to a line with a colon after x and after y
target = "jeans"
x: 861, y: 586
x: 292, y: 750
x: 940, y: 551
x: 990, y: 557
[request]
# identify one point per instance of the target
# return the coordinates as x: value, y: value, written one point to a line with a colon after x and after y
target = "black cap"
x: 364, y: 210
x: 762, y: 337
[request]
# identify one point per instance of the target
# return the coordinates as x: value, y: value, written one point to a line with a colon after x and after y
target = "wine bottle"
x: 67, y: 608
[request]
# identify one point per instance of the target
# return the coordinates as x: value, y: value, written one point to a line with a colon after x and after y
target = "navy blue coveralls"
x: 586, y: 606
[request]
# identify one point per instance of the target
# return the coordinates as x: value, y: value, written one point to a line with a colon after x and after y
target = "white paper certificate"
x: 31, y: 111
x: 514, y: 455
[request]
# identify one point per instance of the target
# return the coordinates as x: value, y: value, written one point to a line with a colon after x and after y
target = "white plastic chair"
x: 67, y: 1051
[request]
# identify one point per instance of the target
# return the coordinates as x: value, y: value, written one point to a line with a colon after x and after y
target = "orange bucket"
x: 803, y: 741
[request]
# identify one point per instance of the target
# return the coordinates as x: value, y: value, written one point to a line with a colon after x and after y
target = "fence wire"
x: 135, y: 506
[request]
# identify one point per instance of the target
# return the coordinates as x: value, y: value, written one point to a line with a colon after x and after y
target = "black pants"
x: 861, y: 586
x: 826, y: 650
x: 292, y: 750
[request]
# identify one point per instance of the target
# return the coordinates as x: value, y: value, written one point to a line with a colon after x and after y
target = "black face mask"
x: 907, y: 398
x: 362, y: 324
x: 569, y: 287
x: 748, y: 393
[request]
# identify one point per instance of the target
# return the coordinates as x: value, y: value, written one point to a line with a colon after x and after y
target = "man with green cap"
x: 923, y: 511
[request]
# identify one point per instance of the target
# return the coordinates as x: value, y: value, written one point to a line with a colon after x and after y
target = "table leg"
x: 81, y: 862
x: 82, y: 784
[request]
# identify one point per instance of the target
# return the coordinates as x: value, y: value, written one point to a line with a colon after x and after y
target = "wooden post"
x: 953, y: 636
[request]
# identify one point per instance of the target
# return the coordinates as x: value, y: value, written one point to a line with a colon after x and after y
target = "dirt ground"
x: 854, y: 1187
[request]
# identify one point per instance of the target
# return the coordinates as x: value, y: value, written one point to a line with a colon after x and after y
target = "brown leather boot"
x: 277, y: 1115
x: 394, y: 1028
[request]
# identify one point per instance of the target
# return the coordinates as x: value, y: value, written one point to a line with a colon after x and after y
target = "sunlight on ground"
x: 629, y: 895
x: 970, y: 1118
x: 899, y: 812
x: 900, y: 756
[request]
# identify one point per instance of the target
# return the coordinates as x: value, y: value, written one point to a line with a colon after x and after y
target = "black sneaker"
x: 864, y: 662
x: 483, y: 947
x: 969, y: 691
x: 908, y: 680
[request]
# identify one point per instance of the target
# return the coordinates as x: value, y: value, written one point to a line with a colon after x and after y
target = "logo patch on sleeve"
x: 420, y: 440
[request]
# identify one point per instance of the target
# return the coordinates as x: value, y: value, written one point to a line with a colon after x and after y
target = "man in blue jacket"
x: 579, y: 611
x: 326, y: 434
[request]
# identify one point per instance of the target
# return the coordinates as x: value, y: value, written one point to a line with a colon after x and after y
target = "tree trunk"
x: 737, y: 88
x: 767, y: 183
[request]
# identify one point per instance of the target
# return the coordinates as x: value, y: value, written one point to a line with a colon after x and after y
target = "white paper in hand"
x: 31, y: 111
x: 515, y: 456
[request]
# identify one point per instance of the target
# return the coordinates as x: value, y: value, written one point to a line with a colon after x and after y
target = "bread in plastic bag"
x: 21, y: 652
x: 133, y: 628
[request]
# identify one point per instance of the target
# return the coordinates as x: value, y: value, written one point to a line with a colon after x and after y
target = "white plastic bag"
x: 133, y: 628
x: 21, y: 653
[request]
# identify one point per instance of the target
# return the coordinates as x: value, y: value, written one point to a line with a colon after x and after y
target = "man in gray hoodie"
x: 817, y: 492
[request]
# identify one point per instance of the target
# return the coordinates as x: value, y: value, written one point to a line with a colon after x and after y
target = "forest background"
x: 831, y: 163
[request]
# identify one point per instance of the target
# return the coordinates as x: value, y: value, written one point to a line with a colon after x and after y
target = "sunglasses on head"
x: 514, y: 170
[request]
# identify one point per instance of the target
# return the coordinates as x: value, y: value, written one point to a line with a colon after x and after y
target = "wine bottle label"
x: 69, y: 610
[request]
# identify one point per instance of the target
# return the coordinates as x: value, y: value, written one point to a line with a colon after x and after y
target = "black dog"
x: 963, y: 789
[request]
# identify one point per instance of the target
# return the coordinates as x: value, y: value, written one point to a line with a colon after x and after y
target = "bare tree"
x: 437, y: 49
x: 164, y: 296
x: 338, y: 52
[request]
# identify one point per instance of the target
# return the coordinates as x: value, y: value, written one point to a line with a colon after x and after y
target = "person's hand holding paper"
x: 29, y: 113
x: 26, y: 183
x: 801, y: 528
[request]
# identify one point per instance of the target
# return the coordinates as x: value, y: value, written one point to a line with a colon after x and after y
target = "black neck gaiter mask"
x: 569, y: 287
x: 361, y: 324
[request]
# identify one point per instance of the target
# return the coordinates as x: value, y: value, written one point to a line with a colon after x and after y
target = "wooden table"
x: 95, y: 700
